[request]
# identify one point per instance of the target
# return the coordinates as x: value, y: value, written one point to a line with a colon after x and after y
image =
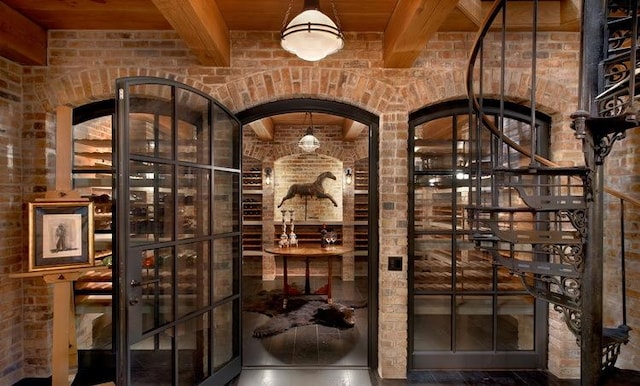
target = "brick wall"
x: 11, y: 221
x: 291, y: 165
x: 622, y: 172
x: 84, y: 65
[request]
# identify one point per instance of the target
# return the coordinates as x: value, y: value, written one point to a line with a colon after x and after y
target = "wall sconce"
x: 267, y: 176
x: 348, y: 176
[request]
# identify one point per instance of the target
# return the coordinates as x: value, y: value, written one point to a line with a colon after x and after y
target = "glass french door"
x: 465, y: 311
x: 178, y: 235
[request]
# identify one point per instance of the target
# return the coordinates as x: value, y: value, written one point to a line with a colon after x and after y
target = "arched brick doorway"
x: 370, y: 153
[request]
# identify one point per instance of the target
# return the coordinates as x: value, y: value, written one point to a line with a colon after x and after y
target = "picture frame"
x: 60, y: 235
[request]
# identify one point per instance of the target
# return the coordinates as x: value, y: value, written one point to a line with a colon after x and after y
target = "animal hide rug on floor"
x: 300, y: 311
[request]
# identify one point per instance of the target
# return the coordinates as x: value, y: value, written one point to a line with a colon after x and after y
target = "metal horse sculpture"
x: 310, y: 189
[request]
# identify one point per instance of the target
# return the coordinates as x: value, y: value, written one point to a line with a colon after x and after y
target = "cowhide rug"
x: 300, y: 311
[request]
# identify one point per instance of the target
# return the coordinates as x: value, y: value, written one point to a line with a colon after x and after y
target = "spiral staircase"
x: 542, y: 221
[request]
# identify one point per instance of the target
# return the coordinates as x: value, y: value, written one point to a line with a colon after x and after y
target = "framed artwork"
x: 60, y: 235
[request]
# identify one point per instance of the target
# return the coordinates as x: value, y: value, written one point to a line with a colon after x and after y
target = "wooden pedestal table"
x: 64, y: 348
x: 307, y: 251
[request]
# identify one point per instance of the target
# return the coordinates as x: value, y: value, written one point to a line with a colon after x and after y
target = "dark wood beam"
x: 201, y: 26
x: 412, y: 24
x: 21, y: 40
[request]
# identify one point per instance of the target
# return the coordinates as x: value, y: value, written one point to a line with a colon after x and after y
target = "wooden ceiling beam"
x: 21, y: 40
x: 570, y: 14
x: 472, y: 9
x: 201, y: 26
x: 561, y: 15
x: 351, y: 130
x: 264, y: 129
x: 410, y: 27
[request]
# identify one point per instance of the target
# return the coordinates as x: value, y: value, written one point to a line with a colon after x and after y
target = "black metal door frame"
x: 372, y: 121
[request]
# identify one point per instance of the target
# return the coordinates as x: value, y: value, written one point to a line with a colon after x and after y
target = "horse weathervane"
x: 310, y: 189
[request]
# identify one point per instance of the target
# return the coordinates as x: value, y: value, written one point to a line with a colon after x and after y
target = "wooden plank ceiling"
x: 204, y: 25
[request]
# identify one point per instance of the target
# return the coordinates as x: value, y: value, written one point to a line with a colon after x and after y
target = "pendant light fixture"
x: 309, y: 143
x: 312, y: 35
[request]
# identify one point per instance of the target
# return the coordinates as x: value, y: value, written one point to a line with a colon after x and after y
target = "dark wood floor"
x: 280, y: 361
x: 362, y: 377
x: 300, y: 358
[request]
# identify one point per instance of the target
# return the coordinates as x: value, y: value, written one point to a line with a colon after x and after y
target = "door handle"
x: 134, y: 283
x: 134, y: 300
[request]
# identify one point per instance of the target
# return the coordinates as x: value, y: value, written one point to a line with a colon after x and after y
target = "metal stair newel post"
x: 607, y: 104
x: 591, y: 334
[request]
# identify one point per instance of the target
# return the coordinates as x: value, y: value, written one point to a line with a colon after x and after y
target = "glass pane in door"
x: 151, y: 128
x: 151, y: 135
x: 194, y: 187
x: 193, y: 271
x: 193, y: 350
x: 225, y: 201
x: 433, y: 202
x: 507, y: 281
x: 432, y: 320
x: 150, y: 202
x: 474, y: 272
x: 226, y: 135
x: 515, y: 323
x: 224, y: 335
x: 225, y: 261
x: 433, y: 145
x: 193, y: 128
x: 432, y: 263
x: 151, y: 361
x: 153, y: 287
x: 474, y: 323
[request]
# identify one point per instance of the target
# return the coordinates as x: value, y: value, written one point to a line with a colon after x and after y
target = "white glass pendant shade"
x: 309, y: 143
x: 312, y: 36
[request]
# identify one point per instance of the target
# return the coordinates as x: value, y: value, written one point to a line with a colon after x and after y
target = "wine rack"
x: 251, y: 207
x: 361, y: 207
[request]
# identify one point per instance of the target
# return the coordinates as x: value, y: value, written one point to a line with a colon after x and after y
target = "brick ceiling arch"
x: 551, y: 96
x: 78, y: 88
x: 339, y: 87
x: 352, y: 88
x: 365, y: 92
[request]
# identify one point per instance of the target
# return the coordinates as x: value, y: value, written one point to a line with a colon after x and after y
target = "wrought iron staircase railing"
x: 538, y: 218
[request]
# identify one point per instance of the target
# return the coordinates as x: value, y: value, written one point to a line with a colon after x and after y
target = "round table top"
x: 309, y: 250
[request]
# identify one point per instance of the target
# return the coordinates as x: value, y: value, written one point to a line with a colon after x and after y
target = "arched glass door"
x: 465, y: 312
x: 178, y: 235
